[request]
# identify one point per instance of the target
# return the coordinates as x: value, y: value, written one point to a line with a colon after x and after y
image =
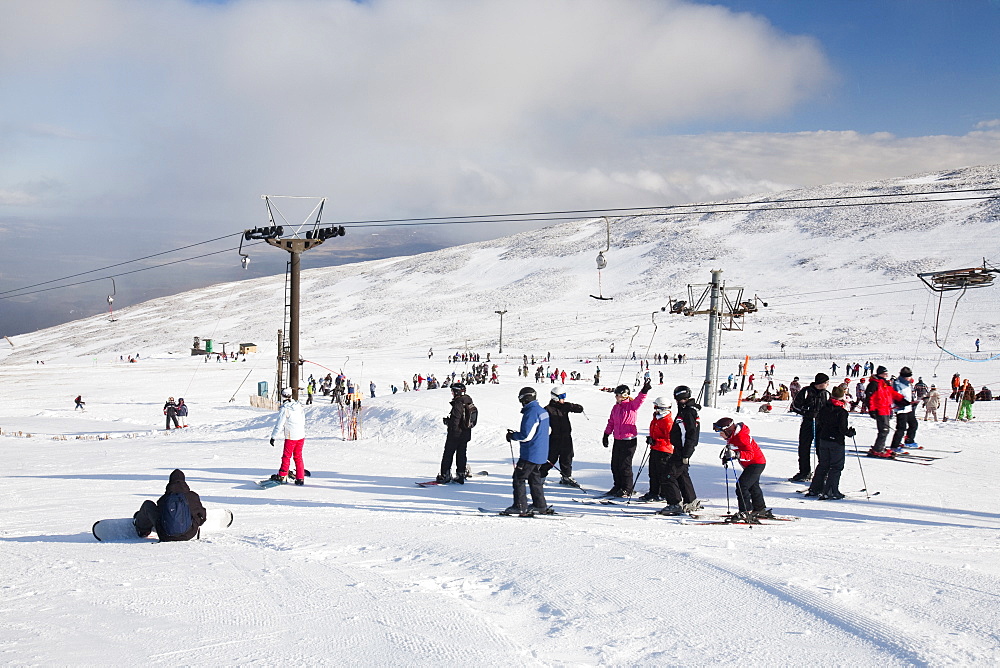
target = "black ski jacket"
x: 809, y: 400
x: 177, y: 485
x: 831, y: 423
x: 455, y: 418
x: 559, y: 419
x: 686, y: 431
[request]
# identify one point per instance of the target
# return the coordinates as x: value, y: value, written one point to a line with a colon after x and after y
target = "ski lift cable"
x: 627, y: 209
x: 124, y: 273
x: 119, y: 264
x: 661, y: 212
x: 625, y: 361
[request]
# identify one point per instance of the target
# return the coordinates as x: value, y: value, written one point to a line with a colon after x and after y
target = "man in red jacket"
x: 881, y: 399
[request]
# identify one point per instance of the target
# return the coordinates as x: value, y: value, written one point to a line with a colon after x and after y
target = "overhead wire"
x: 762, y: 205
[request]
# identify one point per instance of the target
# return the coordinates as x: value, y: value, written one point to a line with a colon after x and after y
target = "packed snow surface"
x: 362, y: 567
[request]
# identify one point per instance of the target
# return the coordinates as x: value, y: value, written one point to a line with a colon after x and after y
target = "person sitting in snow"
x: 175, y: 516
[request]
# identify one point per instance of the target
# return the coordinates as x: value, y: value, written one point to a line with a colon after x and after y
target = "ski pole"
x: 511, y: 444
x: 861, y: 468
x: 642, y: 463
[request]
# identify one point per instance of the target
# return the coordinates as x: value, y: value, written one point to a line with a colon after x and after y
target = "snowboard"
x: 123, y: 529
x: 268, y: 483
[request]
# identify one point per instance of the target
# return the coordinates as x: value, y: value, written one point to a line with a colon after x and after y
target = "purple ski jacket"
x: 621, y: 424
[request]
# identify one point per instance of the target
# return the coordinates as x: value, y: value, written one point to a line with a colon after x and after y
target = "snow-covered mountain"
x: 795, y: 259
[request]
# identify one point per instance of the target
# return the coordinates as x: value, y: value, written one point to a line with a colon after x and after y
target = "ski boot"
x: 692, y: 507
x: 764, y: 514
x: 514, y: 510
x: 443, y: 478
x: 300, y: 482
x: 672, y: 509
x: 881, y: 454
x: 801, y: 477
x: 742, y: 517
x: 569, y: 482
x: 542, y: 511
x: 459, y: 478
x: 278, y: 478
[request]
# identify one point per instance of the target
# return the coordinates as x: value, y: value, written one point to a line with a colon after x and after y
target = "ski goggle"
x: 561, y: 395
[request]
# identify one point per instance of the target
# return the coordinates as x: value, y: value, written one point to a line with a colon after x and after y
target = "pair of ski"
x: 529, y: 515
x: 435, y: 483
x: 704, y: 519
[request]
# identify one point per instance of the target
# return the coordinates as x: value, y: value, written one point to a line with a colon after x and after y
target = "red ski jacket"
x: 659, y: 431
x: 750, y: 452
x: 881, y: 397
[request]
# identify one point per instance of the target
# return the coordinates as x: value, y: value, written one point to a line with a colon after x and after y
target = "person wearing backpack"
x: 459, y: 421
x: 807, y: 403
x: 177, y: 515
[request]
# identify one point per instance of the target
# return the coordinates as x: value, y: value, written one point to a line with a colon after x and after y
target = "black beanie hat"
x: 879, y: 371
x: 821, y: 378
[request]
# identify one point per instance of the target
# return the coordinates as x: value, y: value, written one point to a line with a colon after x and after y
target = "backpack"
x: 470, y: 416
x: 802, y: 402
x: 175, y: 516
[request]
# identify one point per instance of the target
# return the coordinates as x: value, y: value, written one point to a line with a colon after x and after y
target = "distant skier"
x: 534, y: 438
x: 977, y: 345
x: 170, y: 410
x: 176, y: 516
x: 291, y: 422
x: 371, y: 388
x: 182, y: 412
x: 881, y: 399
x: 80, y: 403
x: 459, y: 423
x: 931, y: 403
x: 906, y: 419
x: 561, y: 436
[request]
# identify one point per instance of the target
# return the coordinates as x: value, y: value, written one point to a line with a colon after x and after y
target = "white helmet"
x: 558, y: 392
x: 287, y: 393
x: 661, y: 403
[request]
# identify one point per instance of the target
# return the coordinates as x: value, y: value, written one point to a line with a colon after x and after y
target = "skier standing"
x: 831, y: 428
x: 170, y: 410
x: 807, y: 403
x: 906, y: 418
x: 182, y: 411
x: 659, y: 448
x: 621, y: 424
x: 748, y: 493
x: 561, y: 436
x: 881, y: 399
x: 534, y: 438
x: 684, y: 435
x: 456, y: 442
x: 931, y: 403
x: 176, y: 516
x: 291, y: 422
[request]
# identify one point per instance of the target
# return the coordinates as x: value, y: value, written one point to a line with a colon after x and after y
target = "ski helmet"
x: 661, y: 403
x: 458, y: 388
x: 622, y: 391
x: 723, y: 424
x: 682, y: 393
x: 287, y: 393
x: 526, y: 395
x: 558, y: 393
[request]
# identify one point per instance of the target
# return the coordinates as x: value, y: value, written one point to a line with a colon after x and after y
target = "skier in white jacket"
x: 292, y: 419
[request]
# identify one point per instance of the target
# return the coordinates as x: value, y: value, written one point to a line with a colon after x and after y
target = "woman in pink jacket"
x: 621, y: 425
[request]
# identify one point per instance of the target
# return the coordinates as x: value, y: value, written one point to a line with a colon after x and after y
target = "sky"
x: 128, y: 129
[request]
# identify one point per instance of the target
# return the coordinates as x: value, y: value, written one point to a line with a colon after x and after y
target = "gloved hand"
x: 852, y: 432
x: 272, y: 442
x: 509, y: 432
x: 445, y: 420
x: 646, y: 387
x: 649, y: 440
x: 604, y: 440
x: 686, y: 460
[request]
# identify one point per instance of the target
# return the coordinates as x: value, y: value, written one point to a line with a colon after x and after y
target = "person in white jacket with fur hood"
x: 291, y: 419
